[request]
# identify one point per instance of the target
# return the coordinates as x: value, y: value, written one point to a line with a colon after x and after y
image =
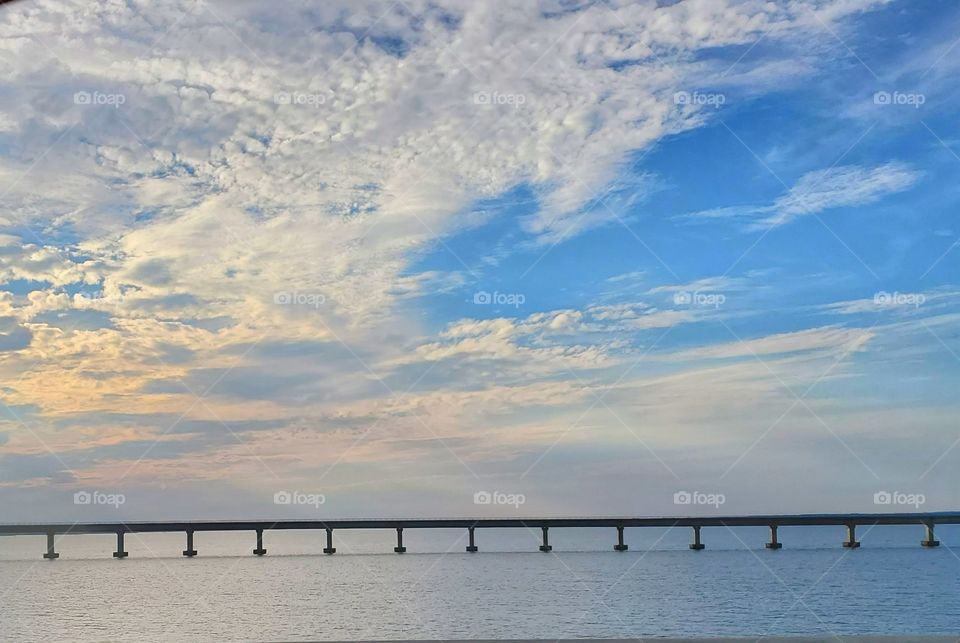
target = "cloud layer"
x: 215, y: 216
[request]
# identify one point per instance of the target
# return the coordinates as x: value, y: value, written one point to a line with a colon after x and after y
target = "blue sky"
x: 398, y: 253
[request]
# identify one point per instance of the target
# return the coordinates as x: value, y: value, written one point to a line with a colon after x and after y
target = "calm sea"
x: 509, y: 590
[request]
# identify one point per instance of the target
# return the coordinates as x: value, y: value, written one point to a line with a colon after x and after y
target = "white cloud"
x: 822, y: 190
x: 840, y: 187
x: 189, y: 206
x: 920, y: 303
x: 827, y: 338
x: 394, y: 150
x: 721, y: 283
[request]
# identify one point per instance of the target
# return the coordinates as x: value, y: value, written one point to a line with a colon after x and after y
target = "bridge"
x: 848, y: 521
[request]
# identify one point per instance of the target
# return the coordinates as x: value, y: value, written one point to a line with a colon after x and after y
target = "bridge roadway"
x: 850, y: 521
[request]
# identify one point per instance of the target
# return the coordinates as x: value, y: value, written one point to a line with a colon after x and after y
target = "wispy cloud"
x: 820, y: 191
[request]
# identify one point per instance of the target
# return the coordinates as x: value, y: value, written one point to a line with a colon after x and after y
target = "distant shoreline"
x: 859, y: 638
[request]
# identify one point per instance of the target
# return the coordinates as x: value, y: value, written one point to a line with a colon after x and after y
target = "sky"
x: 456, y: 258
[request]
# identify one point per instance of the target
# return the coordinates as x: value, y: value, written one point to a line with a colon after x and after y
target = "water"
x: 508, y: 590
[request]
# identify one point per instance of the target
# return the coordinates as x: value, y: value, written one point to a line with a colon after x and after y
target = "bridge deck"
x: 779, y: 520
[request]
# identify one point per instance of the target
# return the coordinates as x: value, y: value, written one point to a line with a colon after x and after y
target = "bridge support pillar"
x: 120, y: 553
x: 51, y: 552
x: 696, y: 544
x: 929, y: 541
x: 774, y: 543
x: 851, y: 541
x: 259, y: 551
x: 329, y: 549
x: 546, y: 540
x: 620, y: 546
x: 189, y: 552
x: 400, y: 548
x: 472, y: 547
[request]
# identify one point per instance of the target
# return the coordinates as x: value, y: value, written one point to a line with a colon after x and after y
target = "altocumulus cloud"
x: 298, y: 152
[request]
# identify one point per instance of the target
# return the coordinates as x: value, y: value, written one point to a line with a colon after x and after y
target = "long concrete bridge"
x: 849, y: 521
